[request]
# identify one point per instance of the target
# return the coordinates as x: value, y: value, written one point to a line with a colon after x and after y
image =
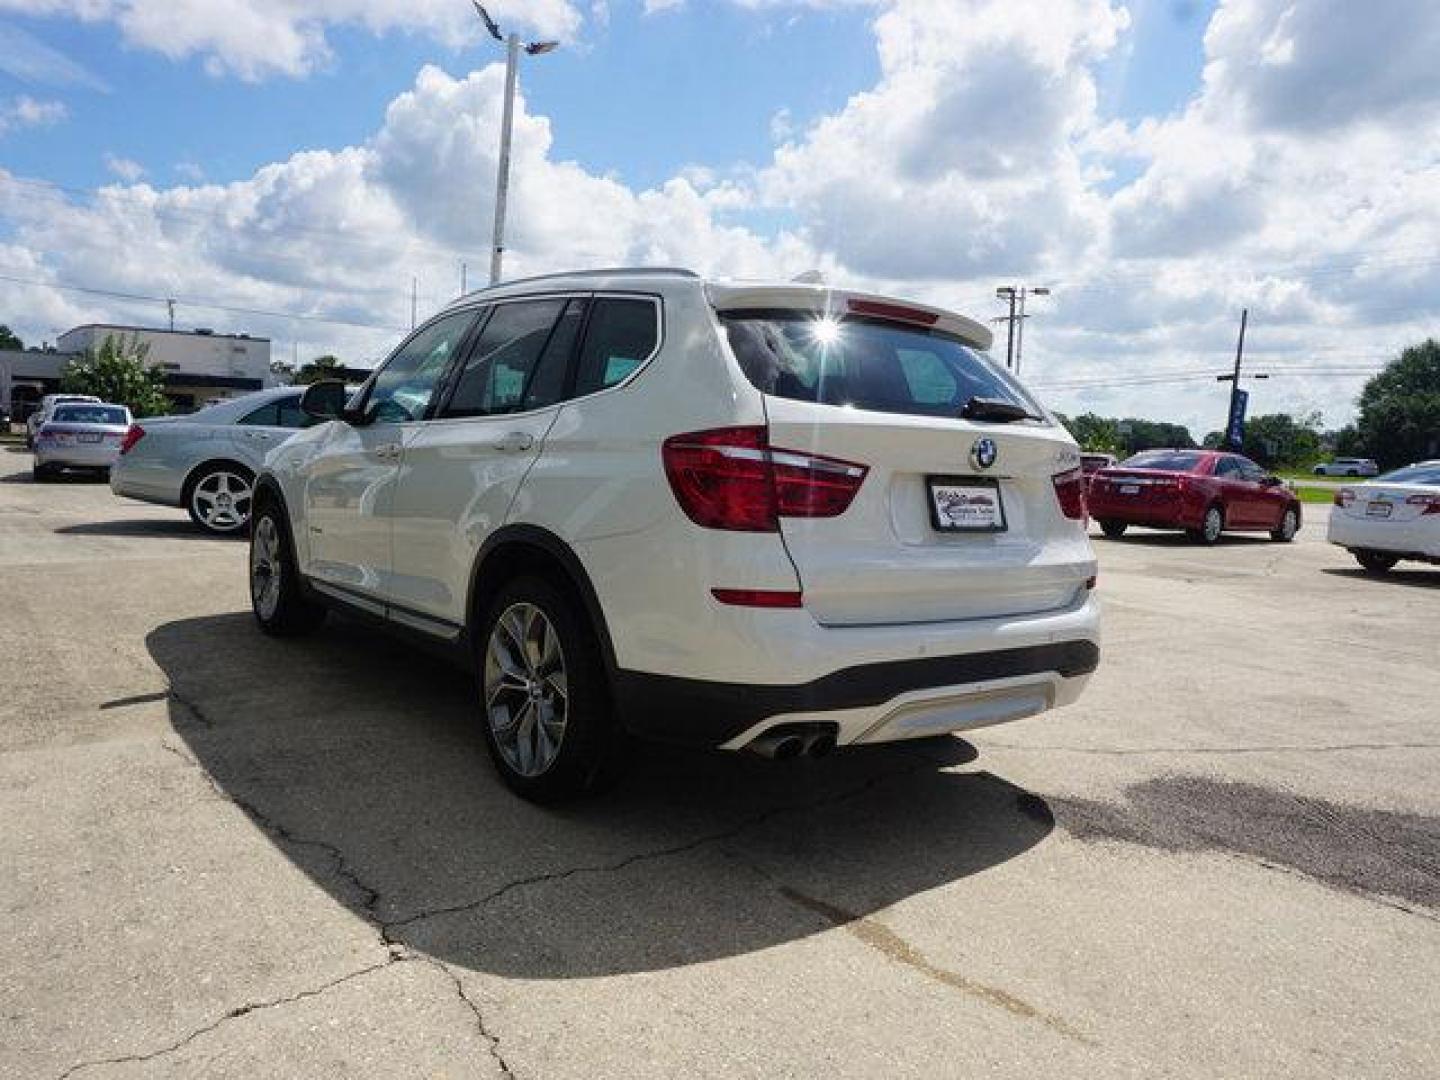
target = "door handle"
x: 515, y: 442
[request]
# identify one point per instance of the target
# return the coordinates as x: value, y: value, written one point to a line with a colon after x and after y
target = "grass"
x: 1315, y: 495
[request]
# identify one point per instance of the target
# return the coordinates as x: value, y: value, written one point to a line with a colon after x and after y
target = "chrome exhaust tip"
x: 779, y: 746
x: 817, y: 746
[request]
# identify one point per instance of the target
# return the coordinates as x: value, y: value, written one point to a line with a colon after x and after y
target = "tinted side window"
x: 621, y: 337
x: 1228, y: 467
x: 289, y: 414
x: 547, y: 381
x: 499, y: 369
x: 265, y: 415
x: 403, y: 388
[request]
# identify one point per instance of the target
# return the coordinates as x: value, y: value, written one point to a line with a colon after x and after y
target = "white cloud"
x: 255, y: 39
x: 27, y: 112
x: 123, y: 167
x: 980, y: 156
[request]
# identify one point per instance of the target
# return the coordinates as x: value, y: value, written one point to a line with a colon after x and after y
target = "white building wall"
x: 183, y: 352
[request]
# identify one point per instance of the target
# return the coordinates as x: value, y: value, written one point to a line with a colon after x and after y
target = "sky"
x: 294, y: 168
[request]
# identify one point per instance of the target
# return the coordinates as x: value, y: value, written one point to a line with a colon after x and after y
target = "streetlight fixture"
x: 502, y: 183
x: 1015, y: 321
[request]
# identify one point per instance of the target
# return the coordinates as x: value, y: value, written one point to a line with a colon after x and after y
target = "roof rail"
x: 611, y: 271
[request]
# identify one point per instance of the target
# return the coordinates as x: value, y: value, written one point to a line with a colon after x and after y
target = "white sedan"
x: 1390, y: 518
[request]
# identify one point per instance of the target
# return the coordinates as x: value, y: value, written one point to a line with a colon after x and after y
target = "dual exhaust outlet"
x: 786, y: 743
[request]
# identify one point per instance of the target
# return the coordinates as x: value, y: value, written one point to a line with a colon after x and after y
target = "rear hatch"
x: 956, y: 518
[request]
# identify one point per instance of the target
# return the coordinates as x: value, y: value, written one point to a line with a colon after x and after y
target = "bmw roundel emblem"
x: 984, y: 453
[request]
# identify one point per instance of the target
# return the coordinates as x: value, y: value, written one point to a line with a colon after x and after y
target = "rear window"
x: 1167, y: 460
x: 1413, y: 474
x: 865, y: 364
x: 90, y: 414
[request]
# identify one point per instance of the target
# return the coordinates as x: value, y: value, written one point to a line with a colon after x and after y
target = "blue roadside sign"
x: 1235, y: 432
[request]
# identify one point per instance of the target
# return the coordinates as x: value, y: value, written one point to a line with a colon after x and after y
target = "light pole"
x: 502, y: 181
x: 1020, y: 326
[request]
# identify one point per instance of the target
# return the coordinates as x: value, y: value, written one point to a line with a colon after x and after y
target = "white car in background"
x: 770, y: 517
x: 206, y: 462
x: 46, y: 407
x: 1390, y: 518
x: 1348, y: 466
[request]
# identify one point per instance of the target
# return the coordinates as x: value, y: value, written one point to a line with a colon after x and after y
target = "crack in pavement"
x: 233, y: 1014
x: 398, y: 952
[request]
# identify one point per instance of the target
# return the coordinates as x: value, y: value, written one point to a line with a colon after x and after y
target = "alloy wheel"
x: 526, y: 689
x: 221, y: 500
x: 1213, y: 525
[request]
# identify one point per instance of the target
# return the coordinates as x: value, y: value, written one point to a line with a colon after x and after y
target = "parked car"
x: 1348, y: 466
x: 46, y: 406
x: 775, y: 517
x: 206, y: 462
x: 1203, y: 492
x: 80, y: 435
x: 1394, y: 517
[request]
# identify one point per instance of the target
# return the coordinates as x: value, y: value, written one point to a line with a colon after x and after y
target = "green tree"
x: 8, y: 340
x: 1095, y: 433
x: 117, y: 372
x: 1280, y: 440
x: 322, y: 367
x: 1399, y: 418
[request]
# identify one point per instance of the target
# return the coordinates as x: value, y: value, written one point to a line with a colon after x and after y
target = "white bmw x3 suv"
x: 777, y: 517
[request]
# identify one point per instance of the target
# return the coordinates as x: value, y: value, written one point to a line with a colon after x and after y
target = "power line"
x: 208, y: 305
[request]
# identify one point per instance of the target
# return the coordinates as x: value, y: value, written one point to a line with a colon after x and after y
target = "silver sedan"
x: 206, y: 462
x: 79, y: 436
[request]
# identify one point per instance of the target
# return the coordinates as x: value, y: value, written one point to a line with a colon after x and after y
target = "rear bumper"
x: 1170, y: 515
x: 1413, y: 539
x: 945, y: 677
x: 82, y: 456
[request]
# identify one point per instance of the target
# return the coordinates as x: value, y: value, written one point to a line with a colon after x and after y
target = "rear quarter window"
x: 865, y: 364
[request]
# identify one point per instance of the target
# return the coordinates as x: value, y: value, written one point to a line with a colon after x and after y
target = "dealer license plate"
x: 1378, y: 509
x: 958, y: 505
x: 90, y: 436
x: 1129, y: 489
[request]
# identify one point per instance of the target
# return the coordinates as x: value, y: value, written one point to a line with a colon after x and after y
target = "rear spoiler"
x: 839, y: 302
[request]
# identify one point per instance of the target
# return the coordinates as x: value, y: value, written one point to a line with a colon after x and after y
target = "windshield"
x: 1413, y: 474
x: 1165, y: 460
x: 866, y: 364
x: 90, y: 414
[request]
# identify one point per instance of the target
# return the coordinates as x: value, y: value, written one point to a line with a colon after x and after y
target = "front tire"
x: 1288, y: 527
x: 1210, y: 529
x: 43, y: 474
x: 280, y: 605
x: 1376, y: 562
x: 1113, y: 529
x: 545, y: 703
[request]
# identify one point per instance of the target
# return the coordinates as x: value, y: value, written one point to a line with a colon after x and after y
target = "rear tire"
x: 1209, y: 532
x: 43, y: 474
x: 280, y: 605
x: 1288, y: 527
x: 1376, y: 562
x: 219, y: 498
x: 545, y: 702
x: 1113, y: 529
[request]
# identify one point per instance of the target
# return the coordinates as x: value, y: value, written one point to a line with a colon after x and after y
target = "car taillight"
x: 1344, y: 497
x: 134, y: 435
x: 1431, y: 503
x: 732, y: 478
x: 1070, y: 491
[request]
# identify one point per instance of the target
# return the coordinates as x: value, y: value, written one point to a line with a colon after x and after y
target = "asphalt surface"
x: 227, y: 856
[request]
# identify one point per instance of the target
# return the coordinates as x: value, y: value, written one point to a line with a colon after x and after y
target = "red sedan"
x: 1204, y: 492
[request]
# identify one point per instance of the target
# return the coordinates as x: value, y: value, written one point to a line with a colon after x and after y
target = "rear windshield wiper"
x: 996, y: 411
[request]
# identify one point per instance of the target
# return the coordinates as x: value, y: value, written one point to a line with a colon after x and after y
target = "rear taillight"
x: 1070, y: 491
x: 1431, y: 503
x: 732, y: 478
x: 134, y: 435
x: 1344, y: 497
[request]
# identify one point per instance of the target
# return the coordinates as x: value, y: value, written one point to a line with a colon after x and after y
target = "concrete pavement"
x: 231, y: 856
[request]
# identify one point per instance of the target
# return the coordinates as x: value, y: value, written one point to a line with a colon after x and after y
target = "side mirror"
x: 1271, y: 480
x: 324, y: 400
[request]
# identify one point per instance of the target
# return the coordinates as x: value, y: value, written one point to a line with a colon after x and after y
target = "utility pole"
x: 171, y: 305
x: 414, y: 299
x: 507, y: 124
x: 1232, y: 438
x: 1015, y: 321
x: 464, y: 271
x: 1008, y: 292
